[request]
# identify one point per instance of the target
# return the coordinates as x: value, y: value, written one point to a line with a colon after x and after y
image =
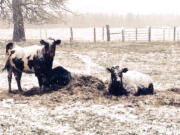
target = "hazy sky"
x: 126, y: 6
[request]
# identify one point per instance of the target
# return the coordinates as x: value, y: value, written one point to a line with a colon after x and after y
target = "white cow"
x: 133, y: 82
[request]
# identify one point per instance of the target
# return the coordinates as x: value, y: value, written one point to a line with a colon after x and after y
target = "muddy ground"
x: 85, y: 107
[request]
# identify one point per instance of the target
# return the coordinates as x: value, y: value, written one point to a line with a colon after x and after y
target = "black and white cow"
x: 32, y: 59
x: 124, y: 82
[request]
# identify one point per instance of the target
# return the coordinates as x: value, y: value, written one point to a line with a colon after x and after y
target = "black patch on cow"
x: 9, y: 46
x: 30, y: 64
x: 117, y: 89
x: 145, y: 91
x: 18, y: 63
x: 28, y: 57
x: 12, y: 52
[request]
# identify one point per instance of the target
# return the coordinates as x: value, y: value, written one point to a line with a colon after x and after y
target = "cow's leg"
x: 43, y: 83
x: 9, y: 78
x: 39, y: 80
x: 42, y: 77
x: 18, y: 75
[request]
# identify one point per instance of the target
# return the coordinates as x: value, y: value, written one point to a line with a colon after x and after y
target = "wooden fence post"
x: 94, y: 35
x: 123, y: 36
x: 174, y: 33
x: 136, y: 34
x: 108, y: 33
x: 103, y: 33
x: 71, y: 33
x: 149, y: 34
x: 178, y: 36
x: 40, y: 33
x: 164, y: 34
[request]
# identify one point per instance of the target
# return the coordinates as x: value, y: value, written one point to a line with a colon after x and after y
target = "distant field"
x: 82, y: 111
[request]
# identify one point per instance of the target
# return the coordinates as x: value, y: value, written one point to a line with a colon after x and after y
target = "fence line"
x: 105, y: 33
x: 127, y: 34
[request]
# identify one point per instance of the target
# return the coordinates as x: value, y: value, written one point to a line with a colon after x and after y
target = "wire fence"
x: 144, y: 34
x: 100, y: 34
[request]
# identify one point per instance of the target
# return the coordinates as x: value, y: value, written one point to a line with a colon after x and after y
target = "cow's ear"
x: 109, y: 70
x: 43, y: 42
x: 124, y: 70
x: 57, y: 42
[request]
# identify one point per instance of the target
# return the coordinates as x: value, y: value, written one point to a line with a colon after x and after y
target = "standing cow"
x: 33, y: 59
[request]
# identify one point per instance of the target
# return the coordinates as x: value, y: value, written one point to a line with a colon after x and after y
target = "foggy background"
x: 116, y: 13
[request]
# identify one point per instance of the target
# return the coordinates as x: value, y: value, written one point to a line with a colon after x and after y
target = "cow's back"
x: 134, y: 79
x: 22, y: 57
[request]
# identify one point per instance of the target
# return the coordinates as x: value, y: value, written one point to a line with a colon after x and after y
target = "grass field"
x: 80, y: 108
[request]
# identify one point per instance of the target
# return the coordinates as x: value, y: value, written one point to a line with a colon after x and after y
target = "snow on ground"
x: 82, y: 118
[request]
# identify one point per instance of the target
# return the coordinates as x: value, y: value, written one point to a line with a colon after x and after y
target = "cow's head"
x: 50, y: 46
x: 49, y: 52
x: 116, y: 74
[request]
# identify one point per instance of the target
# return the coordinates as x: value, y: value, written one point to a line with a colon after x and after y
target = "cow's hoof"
x: 10, y: 91
x: 21, y: 92
x: 40, y: 92
x: 45, y: 89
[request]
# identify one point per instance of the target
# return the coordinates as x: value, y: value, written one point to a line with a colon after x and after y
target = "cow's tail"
x: 9, y: 49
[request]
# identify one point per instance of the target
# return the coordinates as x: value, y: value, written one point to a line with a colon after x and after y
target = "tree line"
x: 128, y: 20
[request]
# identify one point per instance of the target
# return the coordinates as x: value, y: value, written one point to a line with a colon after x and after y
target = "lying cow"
x: 59, y: 77
x: 125, y: 82
x: 33, y: 59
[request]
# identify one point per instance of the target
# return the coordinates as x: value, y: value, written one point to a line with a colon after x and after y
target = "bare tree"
x: 19, y: 11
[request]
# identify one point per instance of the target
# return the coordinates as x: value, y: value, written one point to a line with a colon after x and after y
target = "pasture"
x: 84, y: 107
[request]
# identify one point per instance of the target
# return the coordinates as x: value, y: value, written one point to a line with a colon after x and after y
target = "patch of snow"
x: 89, y: 64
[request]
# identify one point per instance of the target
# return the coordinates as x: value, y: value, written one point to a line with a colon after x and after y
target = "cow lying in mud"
x: 33, y: 59
x: 124, y: 82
